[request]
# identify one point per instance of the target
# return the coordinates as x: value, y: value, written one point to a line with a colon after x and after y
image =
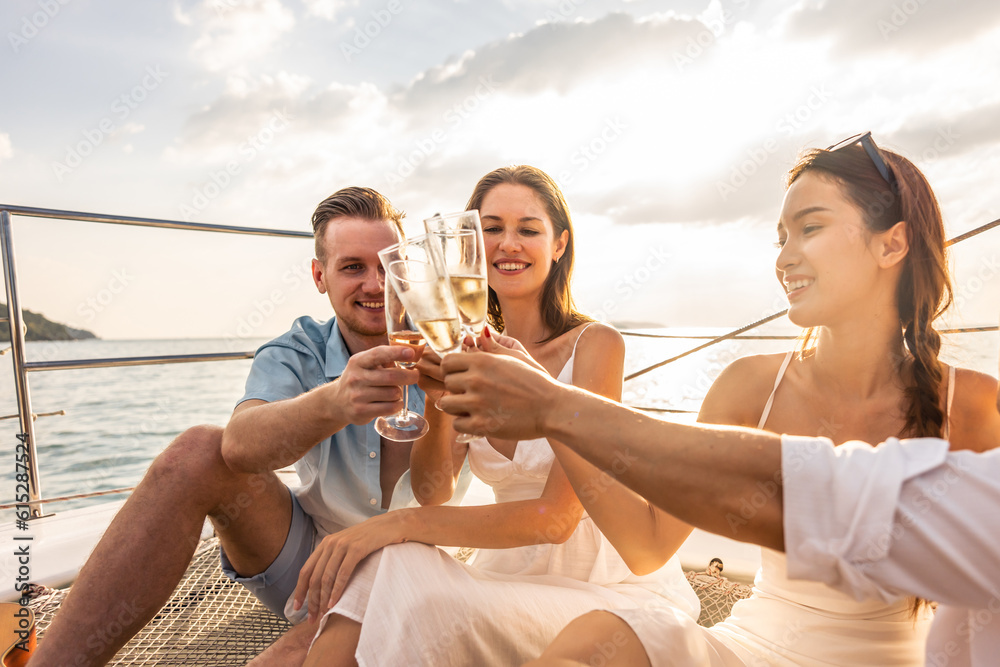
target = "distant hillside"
x: 39, y: 328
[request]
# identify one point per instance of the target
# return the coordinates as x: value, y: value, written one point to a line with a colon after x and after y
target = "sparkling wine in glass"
x: 457, y: 241
x: 469, y: 289
x: 426, y: 295
x: 404, y: 426
x: 440, y: 320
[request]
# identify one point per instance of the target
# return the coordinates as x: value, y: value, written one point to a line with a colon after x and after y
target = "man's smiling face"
x: 353, y: 279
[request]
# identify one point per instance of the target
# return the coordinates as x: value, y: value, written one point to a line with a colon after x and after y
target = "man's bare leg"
x: 143, y: 555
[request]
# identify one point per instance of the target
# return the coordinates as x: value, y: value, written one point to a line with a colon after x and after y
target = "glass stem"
x: 404, y: 414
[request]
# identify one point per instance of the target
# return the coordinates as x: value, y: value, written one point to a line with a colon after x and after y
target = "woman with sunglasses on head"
x: 541, y: 561
x: 862, y: 260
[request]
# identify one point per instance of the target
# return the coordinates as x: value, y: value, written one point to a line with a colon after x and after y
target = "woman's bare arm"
x: 645, y: 536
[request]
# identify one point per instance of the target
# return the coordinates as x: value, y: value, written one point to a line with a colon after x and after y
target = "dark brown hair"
x: 558, y: 310
x: 352, y: 202
x: 924, y: 289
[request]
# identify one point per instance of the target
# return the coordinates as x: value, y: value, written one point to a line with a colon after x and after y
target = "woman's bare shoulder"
x: 738, y: 395
x: 751, y: 371
x: 598, y: 335
x: 974, y: 420
x: 975, y: 383
x: 599, y: 346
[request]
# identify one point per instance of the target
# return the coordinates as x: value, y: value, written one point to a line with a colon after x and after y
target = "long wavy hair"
x: 559, y: 313
x: 924, y: 290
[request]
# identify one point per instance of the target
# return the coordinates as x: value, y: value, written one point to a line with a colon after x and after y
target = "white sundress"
x: 791, y: 623
x: 419, y: 606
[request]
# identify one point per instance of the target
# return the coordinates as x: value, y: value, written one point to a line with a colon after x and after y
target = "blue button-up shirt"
x: 340, y: 476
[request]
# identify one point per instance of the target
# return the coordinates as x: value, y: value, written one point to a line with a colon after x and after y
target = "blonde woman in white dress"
x: 862, y: 259
x: 541, y: 559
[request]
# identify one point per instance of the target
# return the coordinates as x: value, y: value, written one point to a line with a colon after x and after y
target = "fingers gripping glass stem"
x: 404, y: 426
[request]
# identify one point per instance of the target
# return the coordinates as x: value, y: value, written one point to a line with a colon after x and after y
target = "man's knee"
x: 192, y: 470
x: 193, y: 458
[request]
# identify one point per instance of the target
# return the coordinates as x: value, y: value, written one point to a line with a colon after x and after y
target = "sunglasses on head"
x: 872, y: 150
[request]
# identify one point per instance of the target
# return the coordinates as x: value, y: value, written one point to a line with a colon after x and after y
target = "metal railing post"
x: 26, y: 438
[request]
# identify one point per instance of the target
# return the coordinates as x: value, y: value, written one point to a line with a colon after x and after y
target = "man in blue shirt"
x: 318, y: 383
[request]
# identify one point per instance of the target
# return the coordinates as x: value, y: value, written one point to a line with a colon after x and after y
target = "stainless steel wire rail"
x: 641, y: 334
x: 27, y: 446
x: 773, y: 316
x: 26, y: 438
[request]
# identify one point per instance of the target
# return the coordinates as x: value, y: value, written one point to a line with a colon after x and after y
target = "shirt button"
x: 372, y: 501
x: 371, y: 455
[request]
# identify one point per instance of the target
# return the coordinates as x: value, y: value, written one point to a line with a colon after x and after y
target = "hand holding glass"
x: 404, y: 426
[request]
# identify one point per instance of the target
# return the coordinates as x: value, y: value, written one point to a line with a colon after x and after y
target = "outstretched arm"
x: 910, y: 517
x: 704, y: 476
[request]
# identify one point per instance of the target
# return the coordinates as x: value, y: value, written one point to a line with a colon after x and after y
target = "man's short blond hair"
x: 353, y: 202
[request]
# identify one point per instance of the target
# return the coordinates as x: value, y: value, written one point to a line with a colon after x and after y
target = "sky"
x: 669, y: 126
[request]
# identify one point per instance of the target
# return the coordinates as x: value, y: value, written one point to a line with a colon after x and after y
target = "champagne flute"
x: 404, y: 426
x: 427, y: 297
x: 417, y: 248
x: 401, y: 331
x: 425, y: 293
x: 457, y: 240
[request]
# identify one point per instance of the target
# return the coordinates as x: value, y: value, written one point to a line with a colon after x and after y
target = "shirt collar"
x: 337, y: 353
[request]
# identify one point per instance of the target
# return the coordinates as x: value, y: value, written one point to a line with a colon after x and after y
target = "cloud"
x: 328, y: 9
x: 550, y: 57
x: 557, y: 57
x: 934, y: 136
x: 132, y: 128
x: 913, y: 27
x: 181, y: 17
x: 756, y: 199
x: 747, y: 183
x: 6, y: 149
x: 234, y: 32
x: 246, y: 103
x: 544, y: 97
x: 699, y: 143
x: 444, y: 184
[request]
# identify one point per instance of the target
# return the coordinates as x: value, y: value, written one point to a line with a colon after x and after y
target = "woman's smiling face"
x: 827, y: 263
x: 520, y: 240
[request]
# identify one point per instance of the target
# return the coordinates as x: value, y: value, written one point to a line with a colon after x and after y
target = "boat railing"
x: 737, y: 333
x: 27, y: 446
x: 28, y: 499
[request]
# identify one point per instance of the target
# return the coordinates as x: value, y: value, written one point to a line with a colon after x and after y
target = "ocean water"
x: 118, y: 419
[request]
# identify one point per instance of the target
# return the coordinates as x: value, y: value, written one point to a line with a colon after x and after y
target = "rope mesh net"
x: 211, y: 620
